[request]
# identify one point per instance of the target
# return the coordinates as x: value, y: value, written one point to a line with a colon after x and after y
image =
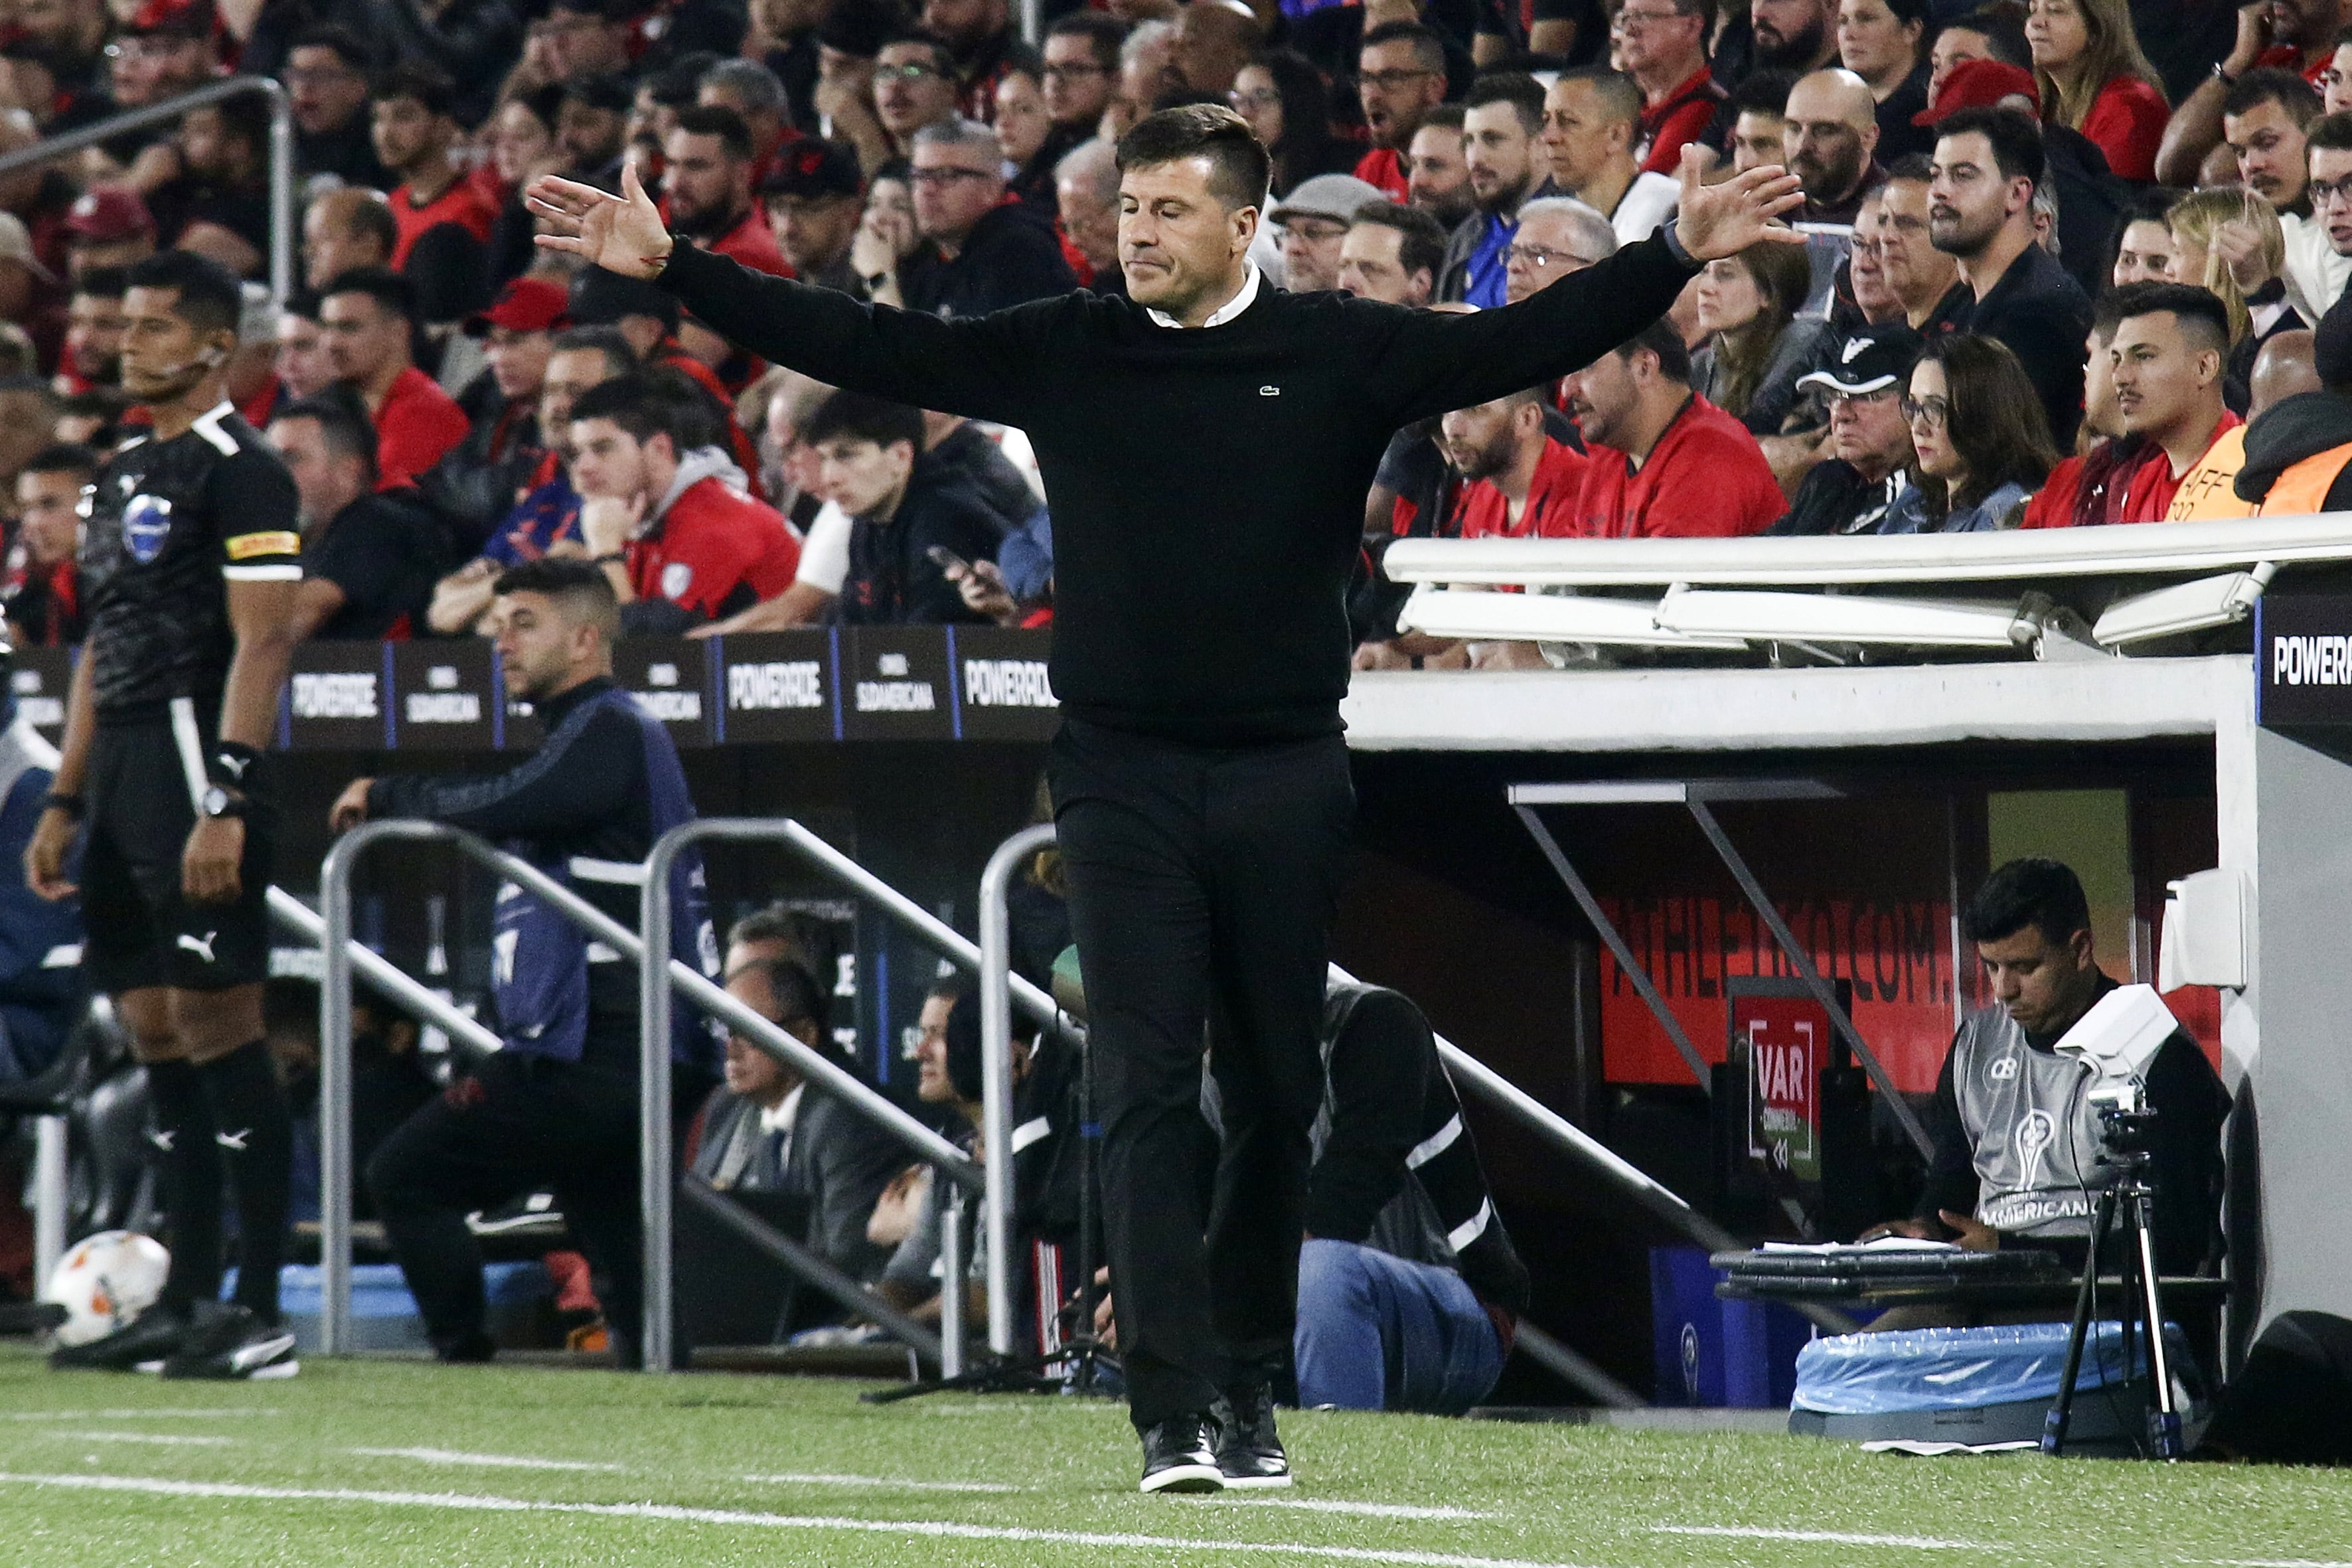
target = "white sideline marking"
x: 173, y: 1440
x: 815, y: 1481
x: 1362, y: 1509
x: 2276, y: 1562
x: 134, y: 1415
x: 936, y: 1529
x: 483, y: 1461
x: 1832, y: 1537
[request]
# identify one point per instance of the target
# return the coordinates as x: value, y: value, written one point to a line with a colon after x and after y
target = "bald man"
x: 1589, y: 126
x: 2282, y: 367
x: 1214, y: 38
x: 348, y: 227
x: 1832, y: 135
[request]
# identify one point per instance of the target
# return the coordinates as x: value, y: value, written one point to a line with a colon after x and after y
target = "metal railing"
x: 335, y: 1171
x: 996, y: 1058
x: 49, y: 148
x: 656, y: 1005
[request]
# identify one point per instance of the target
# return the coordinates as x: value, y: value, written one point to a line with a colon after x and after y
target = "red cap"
x: 524, y: 305
x: 104, y: 214
x: 1979, y: 84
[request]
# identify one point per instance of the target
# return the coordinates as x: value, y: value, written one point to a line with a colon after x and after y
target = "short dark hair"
x: 793, y: 990
x: 303, y: 302
x: 347, y: 45
x: 2272, y: 84
x: 64, y: 457
x: 679, y: 83
x: 1428, y: 43
x: 579, y: 587
x: 2332, y: 132
x: 245, y: 118
x: 1912, y: 166
x: 389, y: 290
x: 628, y: 401
x: 1239, y: 167
x: 1762, y: 92
x: 1664, y: 339
x: 860, y: 416
x: 427, y: 84
x: 103, y: 282
x: 620, y: 354
x: 717, y: 120
x: 1619, y: 94
x: 2015, y: 137
x: 2044, y: 894
x: 1421, y: 238
x: 210, y: 298
x: 1517, y: 88
x: 2002, y: 28
x: 775, y: 922
x: 343, y: 423
x: 1444, y: 116
x: 371, y: 218
x: 2185, y: 302
x: 1103, y: 32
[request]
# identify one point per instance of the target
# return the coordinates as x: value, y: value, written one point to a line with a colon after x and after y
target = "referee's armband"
x: 264, y: 555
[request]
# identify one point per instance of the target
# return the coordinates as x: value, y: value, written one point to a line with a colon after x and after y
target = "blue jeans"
x: 1376, y: 1332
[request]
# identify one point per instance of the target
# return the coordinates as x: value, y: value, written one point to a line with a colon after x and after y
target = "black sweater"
x: 1207, y: 486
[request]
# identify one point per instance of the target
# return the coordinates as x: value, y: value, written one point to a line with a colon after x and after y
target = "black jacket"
x: 892, y: 579
x: 2290, y: 430
x: 2043, y: 316
x: 1834, y: 499
x: 1010, y: 257
x: 838, y: 1160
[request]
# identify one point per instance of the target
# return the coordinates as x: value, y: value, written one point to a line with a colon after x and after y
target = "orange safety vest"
x: 2303, y: 486
x: 2205, y: 493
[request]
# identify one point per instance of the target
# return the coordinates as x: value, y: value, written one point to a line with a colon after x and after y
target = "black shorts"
x: 140, y: 931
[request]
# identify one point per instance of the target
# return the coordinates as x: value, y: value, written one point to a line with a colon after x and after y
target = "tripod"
x: 1082, y: 1356
x: 2130, y: 1195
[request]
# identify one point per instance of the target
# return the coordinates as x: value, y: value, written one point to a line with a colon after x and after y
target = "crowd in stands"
x: 2072, y: 261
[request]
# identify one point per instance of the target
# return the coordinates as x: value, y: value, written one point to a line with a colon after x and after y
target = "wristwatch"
x: 2222, y: 74
x: 217, y: 802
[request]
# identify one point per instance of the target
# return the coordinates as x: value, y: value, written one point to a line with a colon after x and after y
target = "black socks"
x: 253, y: 1136
x: 189, y: 1180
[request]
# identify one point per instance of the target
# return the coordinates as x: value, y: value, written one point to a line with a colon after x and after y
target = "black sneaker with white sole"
x: 1249, y: 1454
x: 151, y: 1336
x: 1179, y: 1455
x: 229, y: 1342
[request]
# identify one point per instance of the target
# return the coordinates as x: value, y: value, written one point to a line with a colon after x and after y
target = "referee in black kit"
x: 1206, y: 443
x: 192, y: 556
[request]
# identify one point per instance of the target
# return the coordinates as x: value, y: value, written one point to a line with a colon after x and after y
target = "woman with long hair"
x: 2196, y: 221
x: 2094, y: 78
x: 1884, y: 42
x: 1982, y: 443
x: 1748, y: 305
x: 1282, y: 96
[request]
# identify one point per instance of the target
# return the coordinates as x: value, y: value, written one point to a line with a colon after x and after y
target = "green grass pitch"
x: 376, y: 1462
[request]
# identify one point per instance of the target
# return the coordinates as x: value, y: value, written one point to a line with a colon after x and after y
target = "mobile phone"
x: 947, y: 560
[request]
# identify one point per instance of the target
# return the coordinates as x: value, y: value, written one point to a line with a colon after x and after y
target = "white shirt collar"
x: 1243, y: 298
x: 784, y: 1114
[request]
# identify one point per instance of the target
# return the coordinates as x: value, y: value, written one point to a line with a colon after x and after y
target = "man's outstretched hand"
x: 1724, y: 219
x: 621, y: 234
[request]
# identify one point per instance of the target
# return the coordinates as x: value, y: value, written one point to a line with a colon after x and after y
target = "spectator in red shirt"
x: 344, y: 230
x: 706, y: 160
x: 663, y: 511
x: 95, y: 326
x: 1517, y: 482
x: 1663, y: 460
x: 1662, y: 44
x: 366, y: 317
x: 2094, y: 78
x: 1400, y: 78
x: 444, y: 218
x: 43, y: 598
x: 2171, y: 343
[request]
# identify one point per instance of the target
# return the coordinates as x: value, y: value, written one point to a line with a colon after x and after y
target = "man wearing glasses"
x: 1662, y: 44
x: 1313, y: 223
x: 1400, y: 78
x: 1870, y: 441
x: 1081, y: 65
x: 978, y: 252
x: 1558, y: 236
x: 914, y: 86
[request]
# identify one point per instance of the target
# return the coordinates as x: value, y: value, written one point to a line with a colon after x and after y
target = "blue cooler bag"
x: 1979, y: 1385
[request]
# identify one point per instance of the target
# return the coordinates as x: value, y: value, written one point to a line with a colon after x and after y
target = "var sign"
x: 1786, y: 1039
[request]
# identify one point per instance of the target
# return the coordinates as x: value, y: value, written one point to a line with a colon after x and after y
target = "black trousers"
x: 1202, y: 882
x: 517, y: 1123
